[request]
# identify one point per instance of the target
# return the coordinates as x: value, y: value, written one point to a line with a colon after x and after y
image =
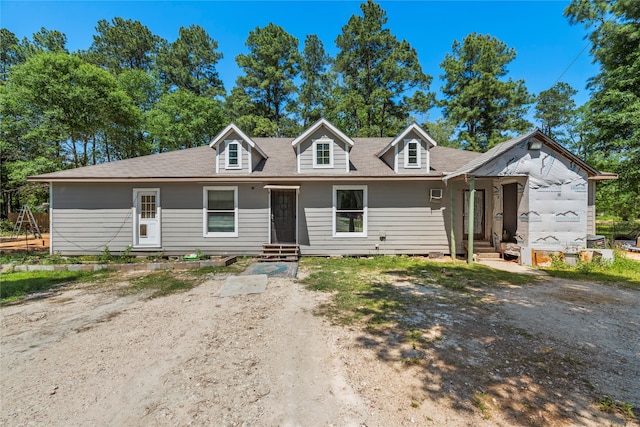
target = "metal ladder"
x: 33, y: 225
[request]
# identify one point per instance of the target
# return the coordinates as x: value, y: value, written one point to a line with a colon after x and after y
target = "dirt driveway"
x: 86, y: 356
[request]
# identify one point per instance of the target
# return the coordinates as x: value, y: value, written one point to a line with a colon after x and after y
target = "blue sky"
x: 546, y: 44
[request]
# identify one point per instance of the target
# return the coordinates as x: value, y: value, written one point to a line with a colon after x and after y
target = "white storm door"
x: 146, y: 231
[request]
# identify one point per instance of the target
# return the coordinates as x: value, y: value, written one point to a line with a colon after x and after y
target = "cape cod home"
x: 324, y: 193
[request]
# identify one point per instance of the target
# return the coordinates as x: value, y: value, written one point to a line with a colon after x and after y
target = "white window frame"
x: 323, y: 140
x: 418, y: 164
x: 205, y: 211
x: 365, y: 214
x: 238, y: 145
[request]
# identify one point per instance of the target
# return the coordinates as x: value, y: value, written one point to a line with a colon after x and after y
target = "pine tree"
x: 484, y: 106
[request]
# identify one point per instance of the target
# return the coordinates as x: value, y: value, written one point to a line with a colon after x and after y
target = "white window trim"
x: 365, y: 213
x: 205, y: 199
x: 226, y: 154
x: 408, y: 165
x: 323, y: 140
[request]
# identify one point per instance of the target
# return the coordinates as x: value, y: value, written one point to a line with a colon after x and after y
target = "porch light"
x: 534, y: 144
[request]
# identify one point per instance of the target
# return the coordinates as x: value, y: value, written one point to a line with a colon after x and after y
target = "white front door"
x: 146, y: 227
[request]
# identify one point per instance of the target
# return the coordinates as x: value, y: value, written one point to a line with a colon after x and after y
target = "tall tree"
x: 14, y: 51
x: 380, y: 75
x: 66, y: 102
x: 10, y: 53
x: 555, y: 109
x: 269, y: 69
x: 182, y: 119
x: 123, y: 44
x: 615, y: 92
x: 315, y: 98
x: 190, y: 62
x: 476, y: 96
x: 47, y: 41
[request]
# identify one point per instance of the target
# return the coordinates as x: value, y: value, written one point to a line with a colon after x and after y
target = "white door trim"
x: 153, y: 225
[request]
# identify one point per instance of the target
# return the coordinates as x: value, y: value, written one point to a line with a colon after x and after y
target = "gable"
x: 544, y: 166
x: 533, y: 155
x: 408, y: 153
x: 322, y: 149
x: 235, y: 151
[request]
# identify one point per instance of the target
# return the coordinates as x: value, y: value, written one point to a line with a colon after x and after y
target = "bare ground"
x: 533, y: 355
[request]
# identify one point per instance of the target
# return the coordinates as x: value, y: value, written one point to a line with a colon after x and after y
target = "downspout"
x: 452, y: 227
x: 472, y: 200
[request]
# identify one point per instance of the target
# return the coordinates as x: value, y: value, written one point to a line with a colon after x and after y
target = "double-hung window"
x: 234, y: 155
x: 220, y: 211
x: 350, y: 211
x: 412, y: 154
x: 323, y: 153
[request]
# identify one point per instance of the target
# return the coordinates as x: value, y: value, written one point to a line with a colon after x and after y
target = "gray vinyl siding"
x: 339, y: 154
x: 247, y: 166
x: 424, y: 157
x: 402, y: 211
x: 86, y: 217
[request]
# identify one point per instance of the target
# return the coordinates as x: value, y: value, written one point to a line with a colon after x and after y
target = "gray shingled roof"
x: 199, y: 163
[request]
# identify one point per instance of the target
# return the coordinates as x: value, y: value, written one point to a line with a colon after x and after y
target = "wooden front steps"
x: 280, y: 252
x: 483, y: 250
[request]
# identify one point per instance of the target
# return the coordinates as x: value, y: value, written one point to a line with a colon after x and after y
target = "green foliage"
x: 555, y: 109
x: 67, y: 102
x: 10, y: 53
x: 622, y: 271
x: 315, y: 96
x: 483, y: 105
x: 123, y: 44
x: 614, y: 107
x: 189, y: 63
x: 16, y: 285
x: 443, y: 132
x: 379, y: 72
x: 182, y: 119
x: 267, y: 84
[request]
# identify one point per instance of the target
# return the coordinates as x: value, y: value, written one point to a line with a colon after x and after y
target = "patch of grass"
x: 16, y: 285
x: 610, y: 406
x: 363, y: 289
x: 622, y: 271
x: 480, y: 400
x: 160, y: 284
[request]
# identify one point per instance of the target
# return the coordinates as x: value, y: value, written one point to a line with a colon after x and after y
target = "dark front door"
x: 478, y: 215
x: 509, y: 211
x: 283, y: 216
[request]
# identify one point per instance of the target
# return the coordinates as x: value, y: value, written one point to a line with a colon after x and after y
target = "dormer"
x: 322, y: 149
x: 235, y: 151
x: 408, y: 153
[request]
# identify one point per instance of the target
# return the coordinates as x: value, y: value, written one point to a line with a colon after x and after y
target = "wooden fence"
x: 42, y: 219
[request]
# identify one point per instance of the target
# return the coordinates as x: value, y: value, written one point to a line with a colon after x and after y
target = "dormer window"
x: 234, y: 155
x: 412, y: 154
x: 323, y: 153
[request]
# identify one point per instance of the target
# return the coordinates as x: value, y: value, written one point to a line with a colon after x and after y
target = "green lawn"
x: 363, y: 286
x: 14, y: 286
x: 622, y: 271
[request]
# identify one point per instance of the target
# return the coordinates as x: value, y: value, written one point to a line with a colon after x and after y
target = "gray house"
x: 324, y: 193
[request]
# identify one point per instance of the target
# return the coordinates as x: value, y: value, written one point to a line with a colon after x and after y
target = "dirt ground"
x: 530, y: 355
x: 24, y: 244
